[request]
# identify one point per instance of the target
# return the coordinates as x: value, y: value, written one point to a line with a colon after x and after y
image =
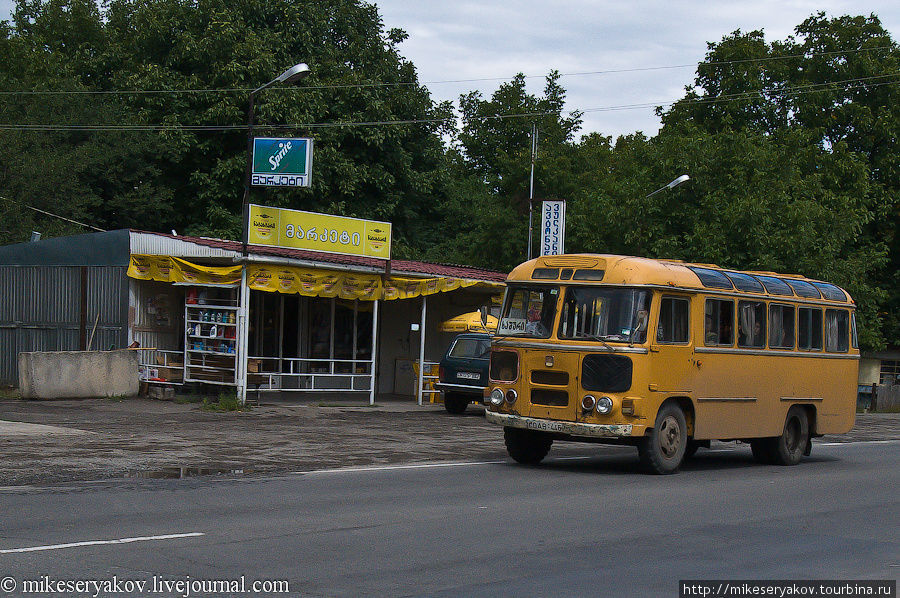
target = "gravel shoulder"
x: 106, y: 439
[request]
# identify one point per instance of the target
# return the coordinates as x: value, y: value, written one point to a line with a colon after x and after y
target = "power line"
x: 425, y: 83
x: 847, y: 84
x: 53, y: 215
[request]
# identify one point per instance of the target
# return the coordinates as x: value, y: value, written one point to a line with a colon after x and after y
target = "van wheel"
x: 455, y: 403
x: 526, y: 446
x: 662, y: 449
x: 788, y: 448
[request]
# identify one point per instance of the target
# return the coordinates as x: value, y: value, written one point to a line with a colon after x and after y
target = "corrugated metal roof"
x: 226, y: 248
x: 144, y: 243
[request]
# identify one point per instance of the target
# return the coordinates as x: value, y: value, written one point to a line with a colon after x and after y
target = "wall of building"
x: 55, y: 308
x: 78, y: 374
x: 869, y: 370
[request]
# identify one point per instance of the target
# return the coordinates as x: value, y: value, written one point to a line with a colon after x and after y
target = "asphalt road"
x: 586, y: 523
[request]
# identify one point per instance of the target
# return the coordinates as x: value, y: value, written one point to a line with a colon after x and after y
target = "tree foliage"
x: 791, y: 145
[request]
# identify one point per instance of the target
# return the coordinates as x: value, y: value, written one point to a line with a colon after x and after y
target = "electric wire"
x: 436, y: 82
x: 845, y: 85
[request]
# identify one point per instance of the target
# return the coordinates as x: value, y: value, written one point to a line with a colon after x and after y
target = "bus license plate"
x: 544, y: 426
x: 468, y: 375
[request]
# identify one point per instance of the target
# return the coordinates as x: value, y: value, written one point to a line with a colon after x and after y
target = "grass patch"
x: 226, y: 402
x: 8, y: 392
x: 188, y: 399
x: 116, y: 398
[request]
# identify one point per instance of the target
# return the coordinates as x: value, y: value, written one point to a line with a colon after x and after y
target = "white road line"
x: 100, y: 542
x: 549, y: 459
x: 396, y: 467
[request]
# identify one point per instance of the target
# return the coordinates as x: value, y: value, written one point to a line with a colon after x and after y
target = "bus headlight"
x: 511, y: 396
x: 604, y: 405
x: 588, y: 403
x: 496, y: 397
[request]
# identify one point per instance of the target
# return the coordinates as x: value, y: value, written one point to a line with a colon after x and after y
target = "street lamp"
x: 682, y: 179
x: 291, y: 75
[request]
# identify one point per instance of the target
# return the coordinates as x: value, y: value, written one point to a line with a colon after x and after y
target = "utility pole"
x: 531, y: 187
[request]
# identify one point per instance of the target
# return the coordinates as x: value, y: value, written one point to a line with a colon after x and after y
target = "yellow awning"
x: 312, y: 282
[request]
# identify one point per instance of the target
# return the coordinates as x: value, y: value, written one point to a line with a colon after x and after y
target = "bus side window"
x: 718, y: 327
x: 752, y: 324
x: 837, y: 330
x: 810, y: 329
x: 781, y: 326
x: 673, y: 320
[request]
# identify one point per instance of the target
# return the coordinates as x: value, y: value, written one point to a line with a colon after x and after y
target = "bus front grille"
x: 553, y: 398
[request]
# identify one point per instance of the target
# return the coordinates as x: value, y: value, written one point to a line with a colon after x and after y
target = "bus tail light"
x: 628, y: 407
x: 604, y: 405
x: 511, y: 396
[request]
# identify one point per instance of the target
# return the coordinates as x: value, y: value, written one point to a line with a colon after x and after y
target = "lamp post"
x: 682, y: 179
x: 295, y: 73
x: 291, y: 75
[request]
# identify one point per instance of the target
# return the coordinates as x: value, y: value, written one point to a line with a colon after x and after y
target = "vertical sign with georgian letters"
x: 553, y: 227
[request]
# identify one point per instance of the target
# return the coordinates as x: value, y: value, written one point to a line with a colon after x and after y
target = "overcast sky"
x: 487, y: 39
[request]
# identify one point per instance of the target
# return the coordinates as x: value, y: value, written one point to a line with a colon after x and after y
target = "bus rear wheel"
x: 663, y: 448
x: 788, y: 448
x: 526, y: 446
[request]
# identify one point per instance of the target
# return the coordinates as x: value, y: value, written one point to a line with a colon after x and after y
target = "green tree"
x: 828, y: 95
x: 485, y: 213
x: 201, y: 59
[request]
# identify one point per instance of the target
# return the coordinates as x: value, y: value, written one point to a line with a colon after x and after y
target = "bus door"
x: 672, y: 362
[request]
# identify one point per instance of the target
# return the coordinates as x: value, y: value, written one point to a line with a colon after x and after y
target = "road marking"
x: 396, y: 467
x: 100, y: 542
x: 549, y: 459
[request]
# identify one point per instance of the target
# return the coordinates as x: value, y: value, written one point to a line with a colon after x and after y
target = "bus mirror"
x: 640, y: 325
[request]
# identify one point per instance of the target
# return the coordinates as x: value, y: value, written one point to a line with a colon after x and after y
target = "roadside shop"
x: 206, y: 311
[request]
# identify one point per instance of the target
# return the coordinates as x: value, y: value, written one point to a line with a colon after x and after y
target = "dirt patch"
x: 139, y: 437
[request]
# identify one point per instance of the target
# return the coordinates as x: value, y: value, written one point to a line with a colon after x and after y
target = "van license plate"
x: 468, y: 375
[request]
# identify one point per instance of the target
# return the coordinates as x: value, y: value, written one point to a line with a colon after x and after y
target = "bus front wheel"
x: 662, y: 449
x: 526, y: 446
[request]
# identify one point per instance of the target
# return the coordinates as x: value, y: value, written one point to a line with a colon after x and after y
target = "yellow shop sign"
x: 279, y: 227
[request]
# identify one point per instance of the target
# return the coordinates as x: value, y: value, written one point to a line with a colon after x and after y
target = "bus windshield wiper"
x: 599, y: 339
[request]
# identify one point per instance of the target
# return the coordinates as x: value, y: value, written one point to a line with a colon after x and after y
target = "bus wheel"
x: 455, y: 403
x: 526, y: 446
x: 663, y: 448
x: 788, y: 448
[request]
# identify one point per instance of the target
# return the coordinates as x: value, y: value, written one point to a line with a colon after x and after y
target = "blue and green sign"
x: 281, y: 162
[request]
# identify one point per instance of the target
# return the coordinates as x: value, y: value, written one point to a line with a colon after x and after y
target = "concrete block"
x: 78, y: 374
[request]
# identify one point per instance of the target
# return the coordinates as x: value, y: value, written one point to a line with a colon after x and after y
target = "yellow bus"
x: 667, y: 356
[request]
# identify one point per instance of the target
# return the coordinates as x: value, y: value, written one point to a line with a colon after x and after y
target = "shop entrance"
x: 310, y: 343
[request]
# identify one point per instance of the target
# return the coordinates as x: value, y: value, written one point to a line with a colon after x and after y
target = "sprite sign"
x: 281, y: 162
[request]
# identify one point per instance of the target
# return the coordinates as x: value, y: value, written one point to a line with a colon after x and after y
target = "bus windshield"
x: 528, y: 311
x: 618, y: 315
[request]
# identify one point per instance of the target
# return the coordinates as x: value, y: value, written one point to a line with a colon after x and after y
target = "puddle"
x: 175, y: 473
